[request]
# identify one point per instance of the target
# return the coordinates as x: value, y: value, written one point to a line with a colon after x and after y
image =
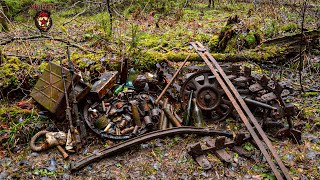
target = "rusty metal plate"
x: 255, y: 87
x: 268, y: 97
x: 102, y: 86
x: 241, y: 79
x: 49, y: 90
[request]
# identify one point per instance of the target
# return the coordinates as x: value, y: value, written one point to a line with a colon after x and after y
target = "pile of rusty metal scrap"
x: 164, y: 102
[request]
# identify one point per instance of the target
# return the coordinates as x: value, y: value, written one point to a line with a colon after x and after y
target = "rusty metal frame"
x: 241, y: 107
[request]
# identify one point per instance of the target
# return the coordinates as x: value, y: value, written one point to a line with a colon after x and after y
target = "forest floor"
x: 135, y: 35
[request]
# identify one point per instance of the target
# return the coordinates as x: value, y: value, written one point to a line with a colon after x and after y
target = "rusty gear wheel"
x: 210, y: 96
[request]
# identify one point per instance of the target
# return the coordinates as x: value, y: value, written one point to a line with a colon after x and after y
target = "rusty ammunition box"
x: 49, y: 90
x: 101, y: 87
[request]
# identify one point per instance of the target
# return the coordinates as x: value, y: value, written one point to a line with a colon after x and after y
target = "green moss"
x: 291, y: 27
x: 213, y: 43
x: 232, y: 45
x: 250, y: 39
x: 12, y: 71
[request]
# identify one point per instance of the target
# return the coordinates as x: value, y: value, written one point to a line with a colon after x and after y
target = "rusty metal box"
x: 101, y: 87
x: 49, y: 90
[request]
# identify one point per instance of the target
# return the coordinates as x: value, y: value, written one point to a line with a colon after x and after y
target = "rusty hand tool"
x: 234, y: 97
x: 116, y: 149
x: 171, y: 81
x: 50, y: 142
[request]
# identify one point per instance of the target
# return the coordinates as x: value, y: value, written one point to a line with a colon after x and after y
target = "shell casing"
x: 135, y: 130
x: 127, y: 130
x: 123, y: 124
x: 155, y: 115
x: 117, y: 119
x: 108, y: 127
x: 135, y: 114
x: 147, y: 121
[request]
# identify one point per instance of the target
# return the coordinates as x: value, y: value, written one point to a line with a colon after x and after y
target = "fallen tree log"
x: 274, y: 50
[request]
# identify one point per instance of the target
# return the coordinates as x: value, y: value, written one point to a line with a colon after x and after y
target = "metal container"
x: 49, y: 91
x: 101, y: 87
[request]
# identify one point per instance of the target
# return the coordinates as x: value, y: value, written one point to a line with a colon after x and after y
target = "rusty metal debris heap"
x: 119, y: 109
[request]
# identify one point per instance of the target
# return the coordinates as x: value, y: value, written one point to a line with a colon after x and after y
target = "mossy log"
x: 274, y: 50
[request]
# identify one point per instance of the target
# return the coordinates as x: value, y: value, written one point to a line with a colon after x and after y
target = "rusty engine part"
x: 144, y: 138
x: 53, y: 139
x: 258, y: 92
x: 124, y: 119
x: 241, y: 107
x: 210, y: 97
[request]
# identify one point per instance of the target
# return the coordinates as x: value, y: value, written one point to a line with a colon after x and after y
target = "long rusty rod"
x: 252, y: 118
x: 205, y: 55
x: 172, y: 79
x: 144, y: 138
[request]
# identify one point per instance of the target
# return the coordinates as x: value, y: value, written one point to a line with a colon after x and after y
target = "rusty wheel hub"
x: 210, y: 96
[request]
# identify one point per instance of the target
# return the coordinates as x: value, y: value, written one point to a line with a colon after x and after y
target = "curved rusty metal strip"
x: 144, y: 138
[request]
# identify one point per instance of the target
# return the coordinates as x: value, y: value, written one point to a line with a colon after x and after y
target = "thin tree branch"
x: 46, y: 37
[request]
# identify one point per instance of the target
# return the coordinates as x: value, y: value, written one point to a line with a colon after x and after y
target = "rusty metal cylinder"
x: 155, y: 115
x: 170, y: 125
x: 148, y: 122
x: 118, y: 131
x: 163, y: 118
x: 123, y: 124
x: 145, y: 107
x: 178, y: 117
x: 135, y: 114
x: 135, y: 130
x: 127, y: 130
x: 103, y: 106
x: 171, y: 117
x: 108, y: 127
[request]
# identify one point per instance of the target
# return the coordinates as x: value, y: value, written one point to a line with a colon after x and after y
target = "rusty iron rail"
x: 234, y: 96
x: 144, y: 138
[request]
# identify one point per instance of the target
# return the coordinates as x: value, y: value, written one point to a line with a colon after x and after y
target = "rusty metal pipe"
x: 171, y: 117
x: 171, y: 81
x: 163, y: 118
x: 264, y: 105
x: 116, y: 149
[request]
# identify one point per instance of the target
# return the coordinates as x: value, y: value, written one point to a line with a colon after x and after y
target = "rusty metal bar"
x: 172, y: 79
x: 205, y: 55
x: 144, y: 138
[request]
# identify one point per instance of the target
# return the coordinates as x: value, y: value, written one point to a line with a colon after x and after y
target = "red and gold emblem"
x: 43, y: 20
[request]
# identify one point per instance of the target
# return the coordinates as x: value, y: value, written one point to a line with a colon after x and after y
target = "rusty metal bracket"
x: 144, y: 138
x: 241, y: 107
